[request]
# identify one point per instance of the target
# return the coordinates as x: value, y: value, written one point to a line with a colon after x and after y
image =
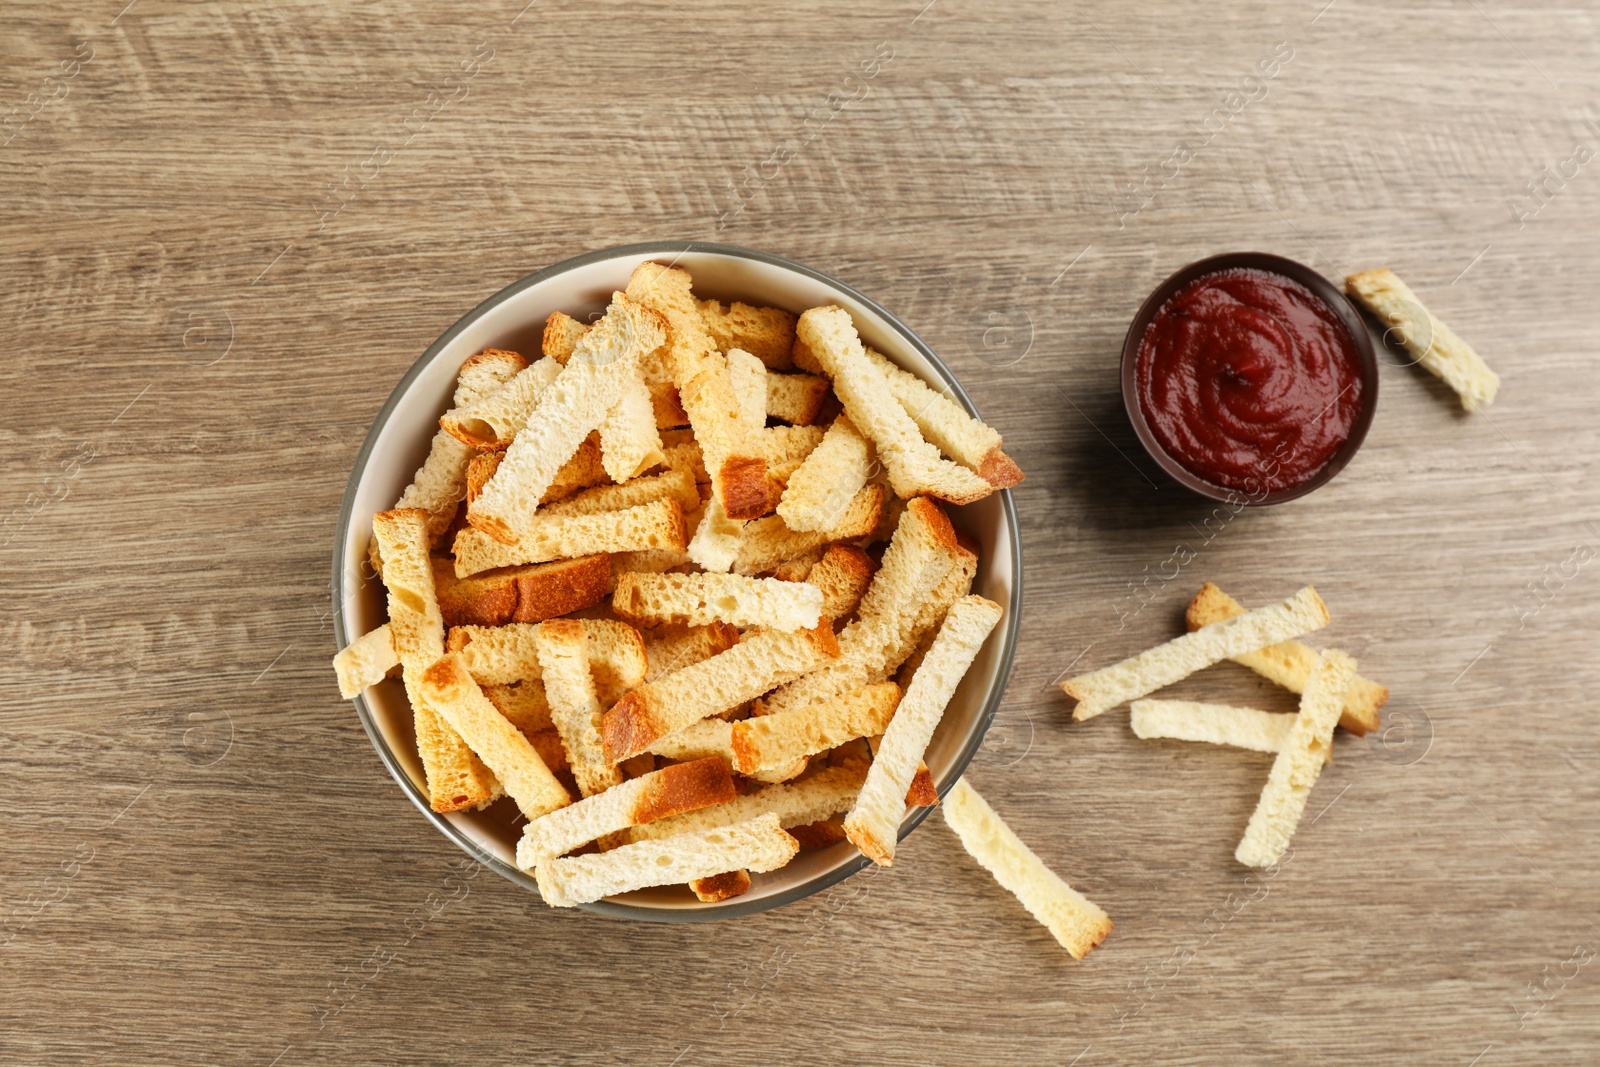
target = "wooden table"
x: 229, y: 228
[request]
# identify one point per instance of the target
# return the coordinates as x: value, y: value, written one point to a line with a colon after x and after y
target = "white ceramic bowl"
x: 514, y: 318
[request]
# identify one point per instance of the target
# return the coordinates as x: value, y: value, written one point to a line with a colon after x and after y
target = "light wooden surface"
x: 204, y: 862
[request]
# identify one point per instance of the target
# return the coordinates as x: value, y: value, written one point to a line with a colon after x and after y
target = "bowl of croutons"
x: 677, y: 581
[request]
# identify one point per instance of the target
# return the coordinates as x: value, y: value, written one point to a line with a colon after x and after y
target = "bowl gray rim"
x: 992, y: 699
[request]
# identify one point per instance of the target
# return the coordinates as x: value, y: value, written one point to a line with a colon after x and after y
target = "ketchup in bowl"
x: 1250, y: 381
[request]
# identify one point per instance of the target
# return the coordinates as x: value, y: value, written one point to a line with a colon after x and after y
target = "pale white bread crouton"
x: 562, y: 333
x: 566, y: 411
x: 483, y: 373
x: 670, y: 484
x: 726, y: 680
x: 747, y: 377
x: 767, y: 333
x: 437, y: 485
x: 1288, y: 664
x: 757, y: 845
x: 766, y: 543
x: 843, y: 574
x: 1299, y: 762
x: 941, y: 421
x: 782, y: 448
x: 649, y: 600
x: 1072, y: 919
x: 700, y: 740
x: 873, y: 823
x: 822, y: 487
x: 574, y: 707
x: 648, y: 561
x: 450, y: 691
x: 1217, y: 724
x: 915, y: 466
x: 738, y: 474
x: 786, y: 448
x: 585, y: 468
x: 657, y: 795
x: 920, y: 554
x: 501, y: 655
x: 530, y: 593
x: 629, y: 441
x: 946, y: 425
x: 455, y: 777
x: 492, y: 421
x: 796, y: 398
x: 365, y: 661
x: 1435, y: 345
x: 658, y: 524
x: 1141, y: 675
x: 672, y: 648
x: 716, y: 540
x: 780, y: 739
x: 781, y: 772
x: 811, y: 799
x: 805, y: 359
x: 956, y: 583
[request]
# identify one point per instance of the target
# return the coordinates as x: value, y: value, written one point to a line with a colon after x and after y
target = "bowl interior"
x: 1325, y: 290
x: 514, y: 319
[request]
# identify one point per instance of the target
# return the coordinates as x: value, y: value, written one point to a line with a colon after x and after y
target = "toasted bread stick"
x: 1288, y: 663
x: 1175, y: 660
x: 779, y: 739
x: 757, y: 845
x: 456, y: 778
x: 450, y: 691
x: 574, y: 708
x: 1299, y: 763
x: 738, y: 474
x: 915, y: 466
x: 656, y: 525
x: 815, y: 797
x: 365, y: 661
x: 1076, y: 923
x: 649, y: 600
x: 873, y: 823
x: 566, y: 411
x: 1217, y: 724
x: 670, y: 791
x: 1435, y: 345
x: 724, y: 681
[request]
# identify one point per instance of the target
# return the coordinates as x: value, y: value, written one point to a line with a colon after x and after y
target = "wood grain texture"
x: 210, y: 284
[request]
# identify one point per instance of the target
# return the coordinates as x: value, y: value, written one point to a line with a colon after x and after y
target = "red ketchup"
x: 1248, y: 380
